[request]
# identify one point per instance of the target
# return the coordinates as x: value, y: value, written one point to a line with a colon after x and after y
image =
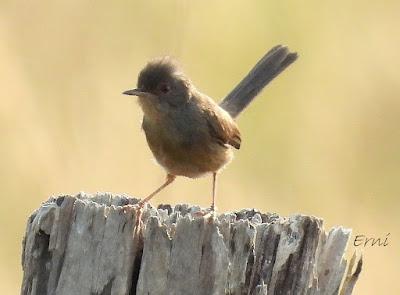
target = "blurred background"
x: 322, y: 139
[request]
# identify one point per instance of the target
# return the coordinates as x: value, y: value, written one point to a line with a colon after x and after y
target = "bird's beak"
x: 136, y: 92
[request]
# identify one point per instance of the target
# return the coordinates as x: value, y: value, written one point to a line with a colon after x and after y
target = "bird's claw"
x: 209, y: 212
x: 138, y: 208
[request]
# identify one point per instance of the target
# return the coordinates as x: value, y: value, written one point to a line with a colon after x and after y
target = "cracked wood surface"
x: 94, y: 245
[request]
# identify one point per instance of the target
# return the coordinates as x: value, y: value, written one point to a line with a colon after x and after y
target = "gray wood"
x: 103, y: 244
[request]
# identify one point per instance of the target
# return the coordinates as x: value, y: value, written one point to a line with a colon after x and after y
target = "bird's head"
x: 161, y: 84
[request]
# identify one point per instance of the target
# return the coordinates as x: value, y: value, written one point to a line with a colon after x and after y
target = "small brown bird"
x: 188, y: 133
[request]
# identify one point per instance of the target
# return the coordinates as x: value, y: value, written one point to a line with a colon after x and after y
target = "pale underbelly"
x: 192, y: 162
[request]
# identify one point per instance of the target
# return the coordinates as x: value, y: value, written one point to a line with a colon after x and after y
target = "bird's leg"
x: 214, y: 189
x: 210, y: 212
x: 170, y: 178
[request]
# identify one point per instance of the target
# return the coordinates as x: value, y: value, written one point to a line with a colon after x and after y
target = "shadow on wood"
x: 96, y: 245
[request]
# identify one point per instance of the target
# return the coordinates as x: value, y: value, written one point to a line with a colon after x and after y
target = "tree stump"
x: 102, y: 244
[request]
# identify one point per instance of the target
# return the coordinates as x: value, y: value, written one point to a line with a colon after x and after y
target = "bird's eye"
x: 164, y: 88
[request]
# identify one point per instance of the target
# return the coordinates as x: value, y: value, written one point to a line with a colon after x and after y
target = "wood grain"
x: 96, y: 245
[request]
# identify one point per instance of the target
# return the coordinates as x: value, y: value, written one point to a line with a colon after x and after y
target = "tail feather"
x: 270, y: 66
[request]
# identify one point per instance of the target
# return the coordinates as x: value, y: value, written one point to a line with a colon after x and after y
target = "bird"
x: 188, y: 133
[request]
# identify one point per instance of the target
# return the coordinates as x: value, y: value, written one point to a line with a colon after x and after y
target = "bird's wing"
x: 222, y: 127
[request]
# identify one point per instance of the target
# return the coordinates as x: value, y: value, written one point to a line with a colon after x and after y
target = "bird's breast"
x: 183, y: 146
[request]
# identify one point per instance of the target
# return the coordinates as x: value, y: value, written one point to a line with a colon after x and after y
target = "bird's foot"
x: 206, y: 213
x: 138, y: 208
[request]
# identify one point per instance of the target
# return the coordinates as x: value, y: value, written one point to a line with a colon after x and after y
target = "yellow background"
x: 323, y: 139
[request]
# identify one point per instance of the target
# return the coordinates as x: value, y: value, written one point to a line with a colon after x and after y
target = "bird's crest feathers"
x: 158, y: 69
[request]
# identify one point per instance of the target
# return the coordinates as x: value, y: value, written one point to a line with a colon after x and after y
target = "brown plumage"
x: 188, y: 133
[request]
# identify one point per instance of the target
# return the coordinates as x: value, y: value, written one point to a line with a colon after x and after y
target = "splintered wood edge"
x: 220, y: 248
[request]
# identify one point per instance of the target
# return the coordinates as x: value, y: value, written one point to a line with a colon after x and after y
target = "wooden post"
x: 101, y: 245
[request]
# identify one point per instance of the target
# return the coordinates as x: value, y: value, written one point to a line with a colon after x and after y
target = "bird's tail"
x: 270, y: 66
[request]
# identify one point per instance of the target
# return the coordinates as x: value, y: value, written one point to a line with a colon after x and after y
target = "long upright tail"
x: 270, y: 66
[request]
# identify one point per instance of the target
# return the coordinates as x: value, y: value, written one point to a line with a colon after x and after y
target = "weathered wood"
x: 96, y: 245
